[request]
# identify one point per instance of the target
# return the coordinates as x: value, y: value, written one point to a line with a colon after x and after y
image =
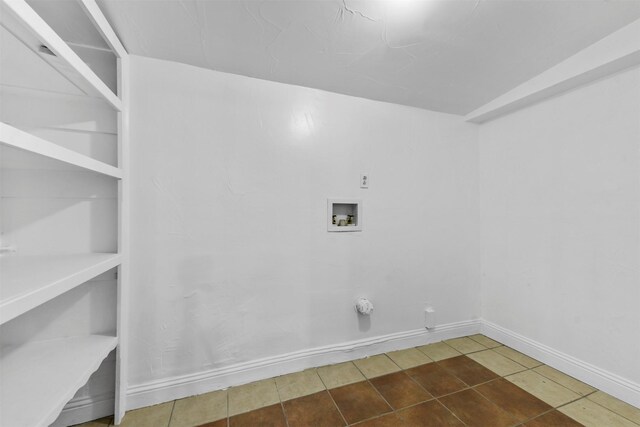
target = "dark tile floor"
x: 469, y: 381
x: 453, y: 392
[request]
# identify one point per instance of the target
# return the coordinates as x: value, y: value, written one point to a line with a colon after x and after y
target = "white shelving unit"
x: 16, y: 138
x: 22, y: 21
x: 41, y: 373
x: 29, y: 281
x: 24, y: 367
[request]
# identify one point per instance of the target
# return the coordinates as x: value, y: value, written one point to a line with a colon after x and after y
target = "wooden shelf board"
x: 29, y: 281
x: 24, y: 23
x: 39, y: 378
x: 14, y: 137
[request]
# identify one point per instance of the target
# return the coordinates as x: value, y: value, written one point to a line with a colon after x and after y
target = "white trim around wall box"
x: 178, y: 387
x: 355, y: 212
x: 614, y: 53
x: 29, y: 281
x: 16, y: 138
x: 24, y: 23
x: 601, y: 379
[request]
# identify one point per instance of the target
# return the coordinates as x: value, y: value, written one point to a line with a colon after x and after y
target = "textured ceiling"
x: 444, y: 55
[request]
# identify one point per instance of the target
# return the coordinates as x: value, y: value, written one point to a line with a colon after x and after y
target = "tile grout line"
x: 470, y: 387
x: 610, y: 410
x: 393, y: 410
x: 532, y: 368
x: 228, y: 417
x: 417, y: 383
x: 519, y: 423
x: 541, y: 414
x: 331, y: 396
x: 434, y: 397
x: 471, y: 352
x: 173, y: 406
x: 553, y: 408
x: 284, y: 412
x: 471, y: 338
x: 376, y: 390
x: 450, y: 411
x: 437, y: 399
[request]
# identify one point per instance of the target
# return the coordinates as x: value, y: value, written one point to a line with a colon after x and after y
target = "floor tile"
x: 465, y: 345
x: 528, y: 394
x: 485, y: 341
x: 435, y: 379
x: 220, y: 423
x: 388, y: 420
x: 399, y: 390
x: 299, y: 384
x: 513, y: 399
x: 518, y: 357
x: 428, y: 414
x: 359, y: 401
x: 593, y: 415
x: 102, y: 422
x: 316, y: 409
x: 439, y: 351
x: 496, y: 362
x: 252, y: 396
x: 473, y: 409
x: 618, y: 406
x: 341, y: 374
x: 269, y: 416
x: 543, y: 388
x: 150, y: 416
x: 565, y: 380
x: 409, y: 358
x: 199, y: 409
x: 376, y: 366
x: 552, y: 419
x: 469, y: 371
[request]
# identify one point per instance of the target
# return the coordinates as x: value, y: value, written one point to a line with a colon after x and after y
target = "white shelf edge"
x: 15, y: 305
x: 102, y: 25
x: 64, y: 365
x: 14, y: 137
x: 32, y: 30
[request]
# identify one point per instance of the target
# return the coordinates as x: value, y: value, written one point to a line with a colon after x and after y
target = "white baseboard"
x: 178, y: 387
x: 601, y: 379
x: 85, y: 409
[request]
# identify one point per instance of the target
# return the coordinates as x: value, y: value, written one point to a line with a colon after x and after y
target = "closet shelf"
x: 28, y: 281
x: 24, y: 23
x: 14, y: 137
x: 39, y: 378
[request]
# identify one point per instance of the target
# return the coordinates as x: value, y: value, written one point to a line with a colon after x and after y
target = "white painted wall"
x: 231, y: 258
x: 560, y: 221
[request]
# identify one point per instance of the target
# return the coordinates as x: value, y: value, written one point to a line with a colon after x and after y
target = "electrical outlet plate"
x: 429, y: 317
x: 364, y: 180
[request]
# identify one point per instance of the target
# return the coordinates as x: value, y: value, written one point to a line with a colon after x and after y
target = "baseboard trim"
x: 154, y: 392
x: 85, y: 409
x: 601, y: 379
x: 178, y: 387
